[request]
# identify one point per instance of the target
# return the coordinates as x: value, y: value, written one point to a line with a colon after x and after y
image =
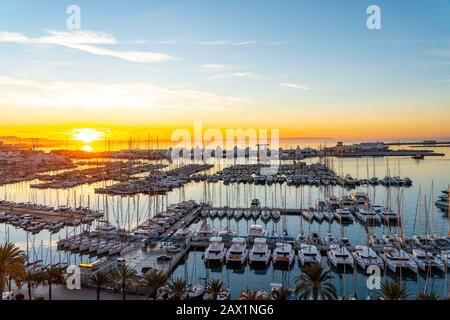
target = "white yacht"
x: 426, y: 260
x: 387, y: 215
x: 107, y: 231
x: 376, y: 242
x: 213, y: 213
x: 255, y: 204
x: 283, y: 254
x: 238, y: 251
x: 318, y: 215
x: 367, y: 215
x: 340, y: 256
x: 238, y: 214
x: 141, y: 234
x: 54, y: 225
x: 424, y: 241
x: 308, y: 253
x: 256, y: 231
x: 396, y: 259
x: 276, y: 214
x: 221, y: 213
x: 255, y: 213
x: 366, y: 256
x: 216, y: 250
x: 344, y: 215
x: 328, y: 215
x: 330, y: 239
x: 226, y: 233
x: 104, y: 247
x: 395, y: 239
x: 266, y: 214
x: 197, y: 291
x: 247, y: 214
x: 260, y: 252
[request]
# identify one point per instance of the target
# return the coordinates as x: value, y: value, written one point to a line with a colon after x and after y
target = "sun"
x: 87, y: 148
x: 87, y: 135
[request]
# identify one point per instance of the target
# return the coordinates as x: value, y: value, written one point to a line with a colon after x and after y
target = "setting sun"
x: 87, y: 135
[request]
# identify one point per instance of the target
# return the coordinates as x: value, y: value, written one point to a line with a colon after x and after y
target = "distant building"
x: 364, y: 146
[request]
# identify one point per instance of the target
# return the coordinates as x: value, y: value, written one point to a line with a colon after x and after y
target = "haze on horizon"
x: 308, y: 68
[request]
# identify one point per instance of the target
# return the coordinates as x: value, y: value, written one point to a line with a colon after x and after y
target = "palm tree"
x: 53, y: 275
x: 12, y: 262
x: 178, y: 288
x: 248, y: 294
x: 393, y: 290
x: 214, y: 287
x: 281, y: 294
x: 32, y: 279
x: 315, y: 282
x: 124, y: 276
x: 153, y: 279
x: 428, y: 296
x: 99, y: 280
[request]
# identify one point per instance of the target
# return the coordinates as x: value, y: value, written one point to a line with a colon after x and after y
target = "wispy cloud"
x: 85, y: 41
x: 293, y: 86
x: 225, y: 42
x: 211, y: 67
x: 76, y: 94
x: 143, y: 41
x: 249, y: 75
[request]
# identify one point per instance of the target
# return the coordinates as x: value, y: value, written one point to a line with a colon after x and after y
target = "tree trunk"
x: 29, y: 291
x: 50, y: 291
x: 2, y: 283
x: 123, y: 292
x: 98, y: 293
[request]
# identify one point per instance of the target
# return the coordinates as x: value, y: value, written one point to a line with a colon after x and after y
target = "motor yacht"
x: 238, y: 251
x: 256, y: 231
x: 260, y: 252
x: 215, y: 251
x: 283, y: 254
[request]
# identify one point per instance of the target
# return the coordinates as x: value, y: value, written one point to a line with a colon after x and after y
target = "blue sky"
x: 289, y: 62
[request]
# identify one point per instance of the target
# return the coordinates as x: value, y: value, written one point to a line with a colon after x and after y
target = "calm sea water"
x: 430, y: 177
